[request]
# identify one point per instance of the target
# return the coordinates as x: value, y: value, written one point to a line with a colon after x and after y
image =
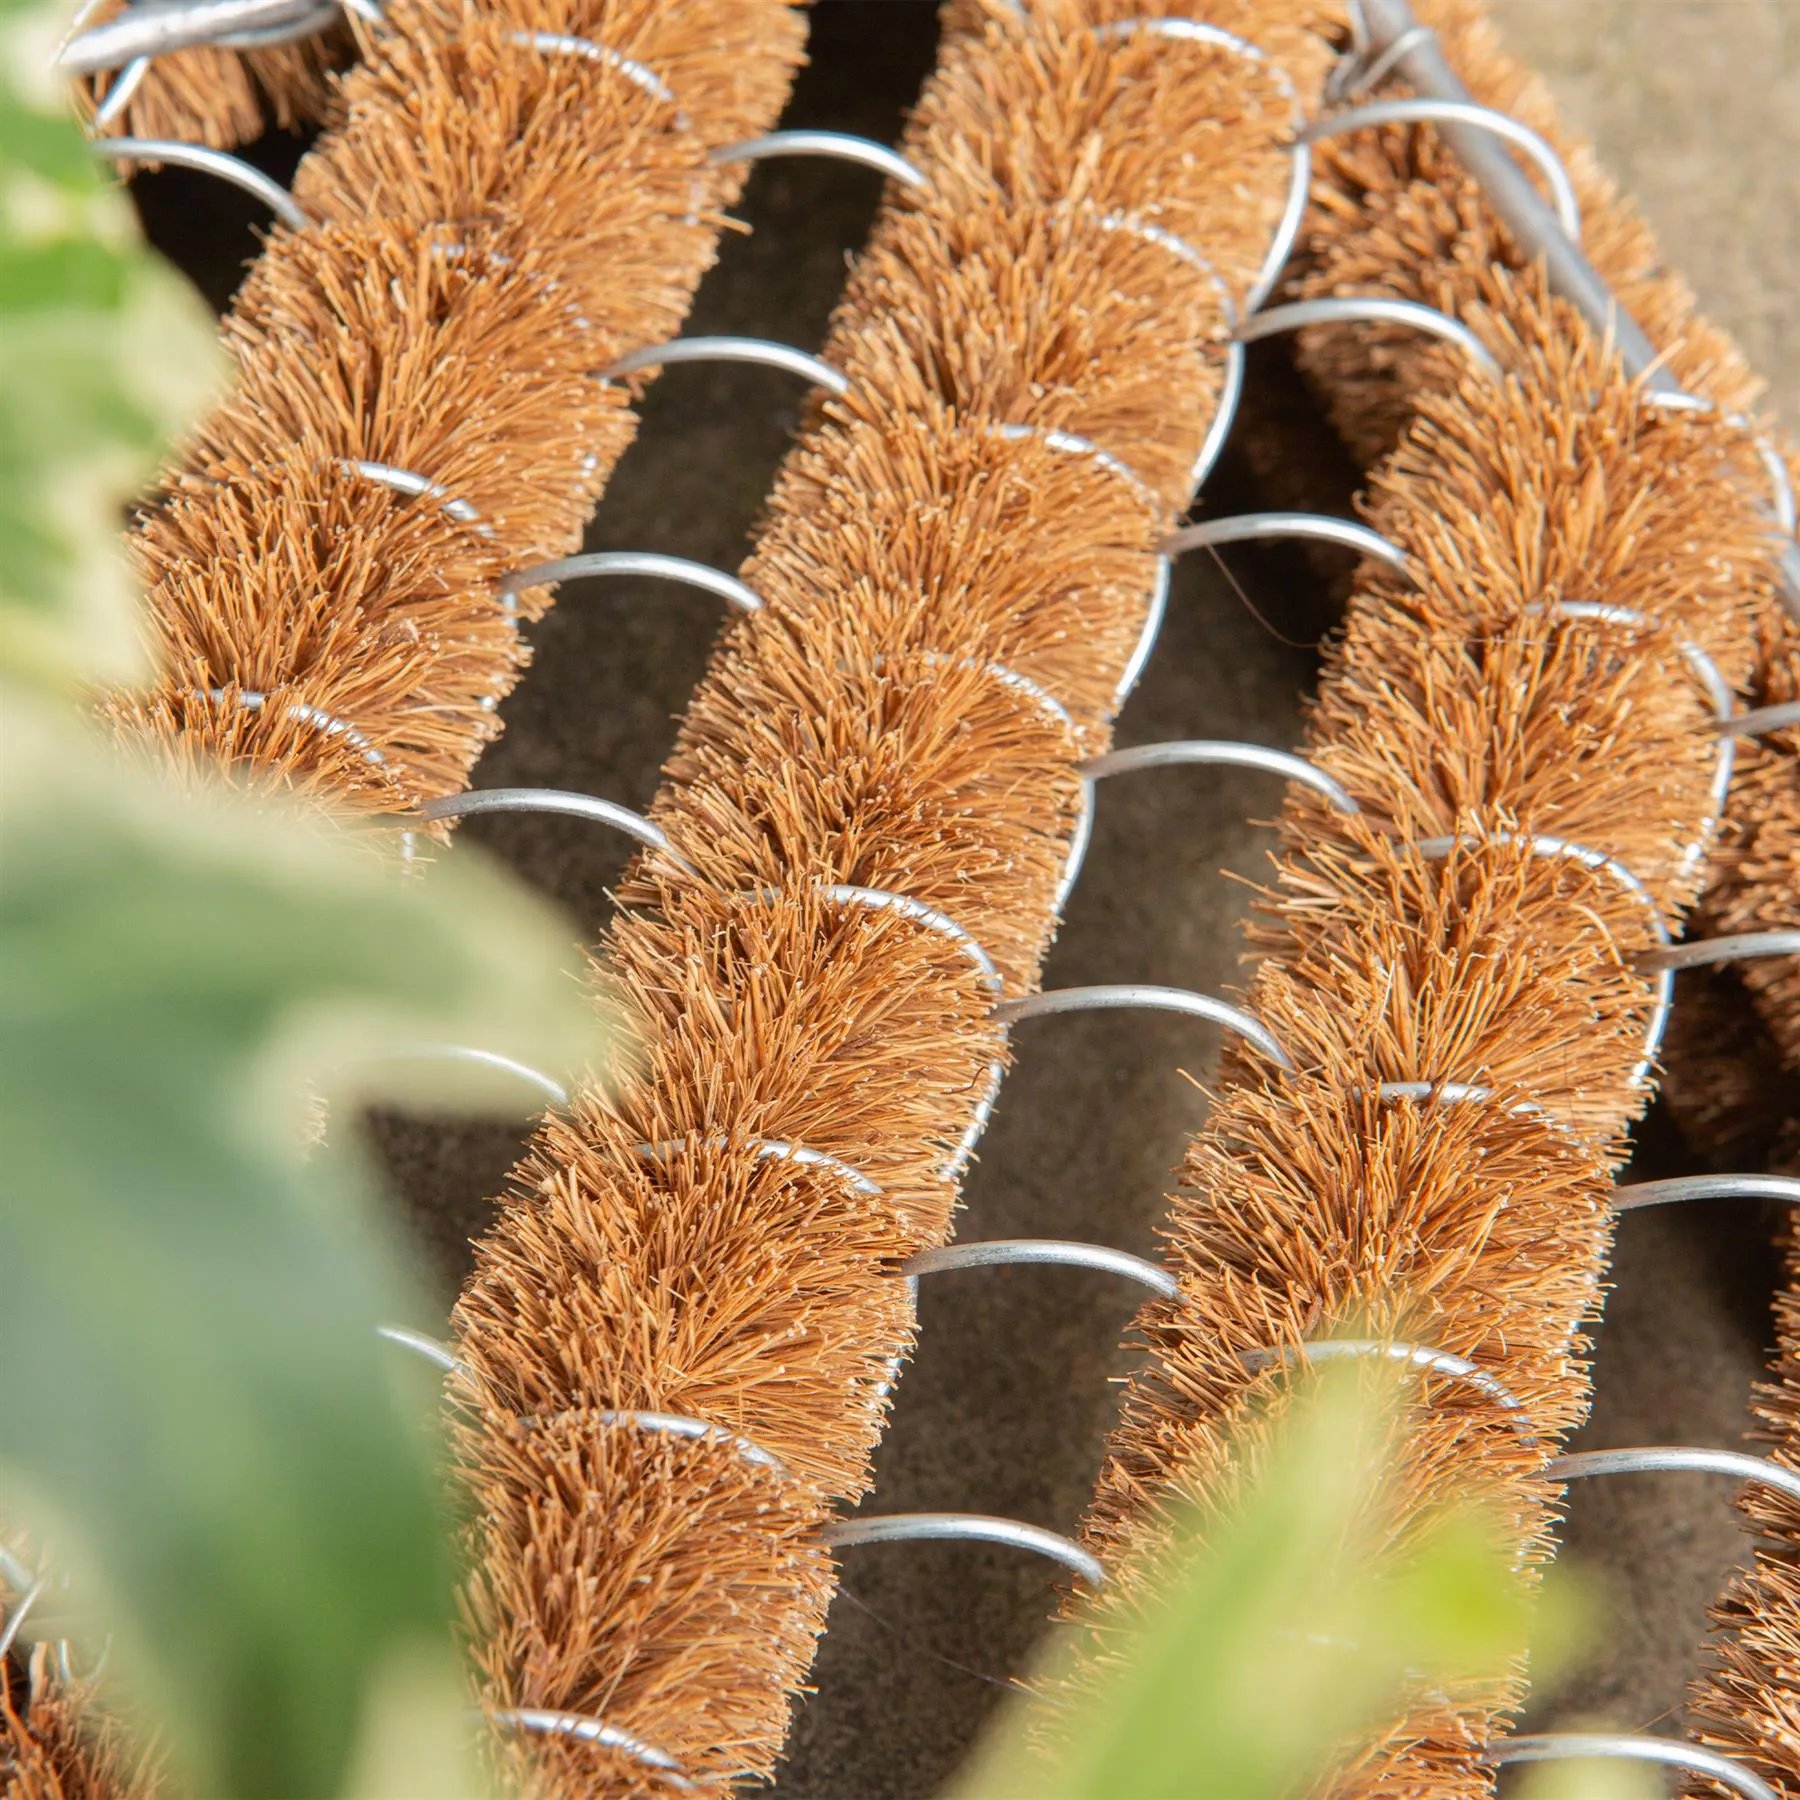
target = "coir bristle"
x: 1463, y: 707
x: 498, y: 224
x: 956, y: 565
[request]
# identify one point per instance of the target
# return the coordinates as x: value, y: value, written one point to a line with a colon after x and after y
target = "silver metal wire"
x: 1151, y: 630
x: 1293, y: 216
x: 13, y: 1572
x: 682, y: 1425
x: 884, y: 900
x: 980, y: 1528
x: 768, y: 1149
x: 1738, y: 946
x: 1670, y: 1753
x: 1675, y: 1188
x: 416, y: 486
x: 1184, y: 751
x: 475, y: 801
x: 1201, y: 31
x: 1416, y: 1356
x: 1779, y: 717
x: 153, y: 28
x: 1062, y: 1253
x: 299, y: 710
x: 588, y: 1730
x: 1445, y: 1092
x: 87, y: 1677
x: 1428, y: 111
x: 1232, y: 386
x: 1371, y: 309
x: 1039, y: 696
x: 1356, y: 74
x: 433, y: 1350
x: 556, y: 43
x: 1231, y: 394
x: 1681, y: 1459
x: 1784, y: 511
x: 119, y: 93
x: 547, y: 1085
x: 1560, y: 849
x: 646, y: 563
x: 1179, y: 752
x: 209, y: 162
x: 1448, y: 1093
x: 840, y: 146
x: 1073, y: 444
x: 1159, y: 999
x: 15, y: 1620
x: 734, y: 349
x: 1079, y: 841
x: 1318, y: 527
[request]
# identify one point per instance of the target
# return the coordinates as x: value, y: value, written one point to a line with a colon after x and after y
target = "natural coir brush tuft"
x: 220, y: 97
x: 957, y: 563
x: 499, y: 222
x: 1746, y: 1701
x: 55, y: 1745
x: 1395, y: 213
x: 1452, y: 970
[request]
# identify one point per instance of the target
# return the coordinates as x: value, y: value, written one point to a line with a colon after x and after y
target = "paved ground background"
x: 1696, y: 103
x: 1695, y: 107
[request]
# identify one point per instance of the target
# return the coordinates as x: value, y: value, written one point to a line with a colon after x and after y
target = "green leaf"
x: 197, y: 1400
x: 103, y: 351
x: 1280, y: 1631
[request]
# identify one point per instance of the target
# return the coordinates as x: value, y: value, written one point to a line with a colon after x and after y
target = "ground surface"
x: 1697, y: 106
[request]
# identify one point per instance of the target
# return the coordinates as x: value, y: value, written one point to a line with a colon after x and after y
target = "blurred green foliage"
x: 188, y: 1301
x: 201, y: 1425
x: 103, y: 351
x: 1281, y: 1630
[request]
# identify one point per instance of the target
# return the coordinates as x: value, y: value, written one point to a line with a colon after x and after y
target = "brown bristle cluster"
x: 500, y: 222
x: 1746, y: 1701
x: 956, y: 564
x: 1461, y: 706
x: 223, y: 97
x: 1394, y: 213
x: 55, y: 1746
